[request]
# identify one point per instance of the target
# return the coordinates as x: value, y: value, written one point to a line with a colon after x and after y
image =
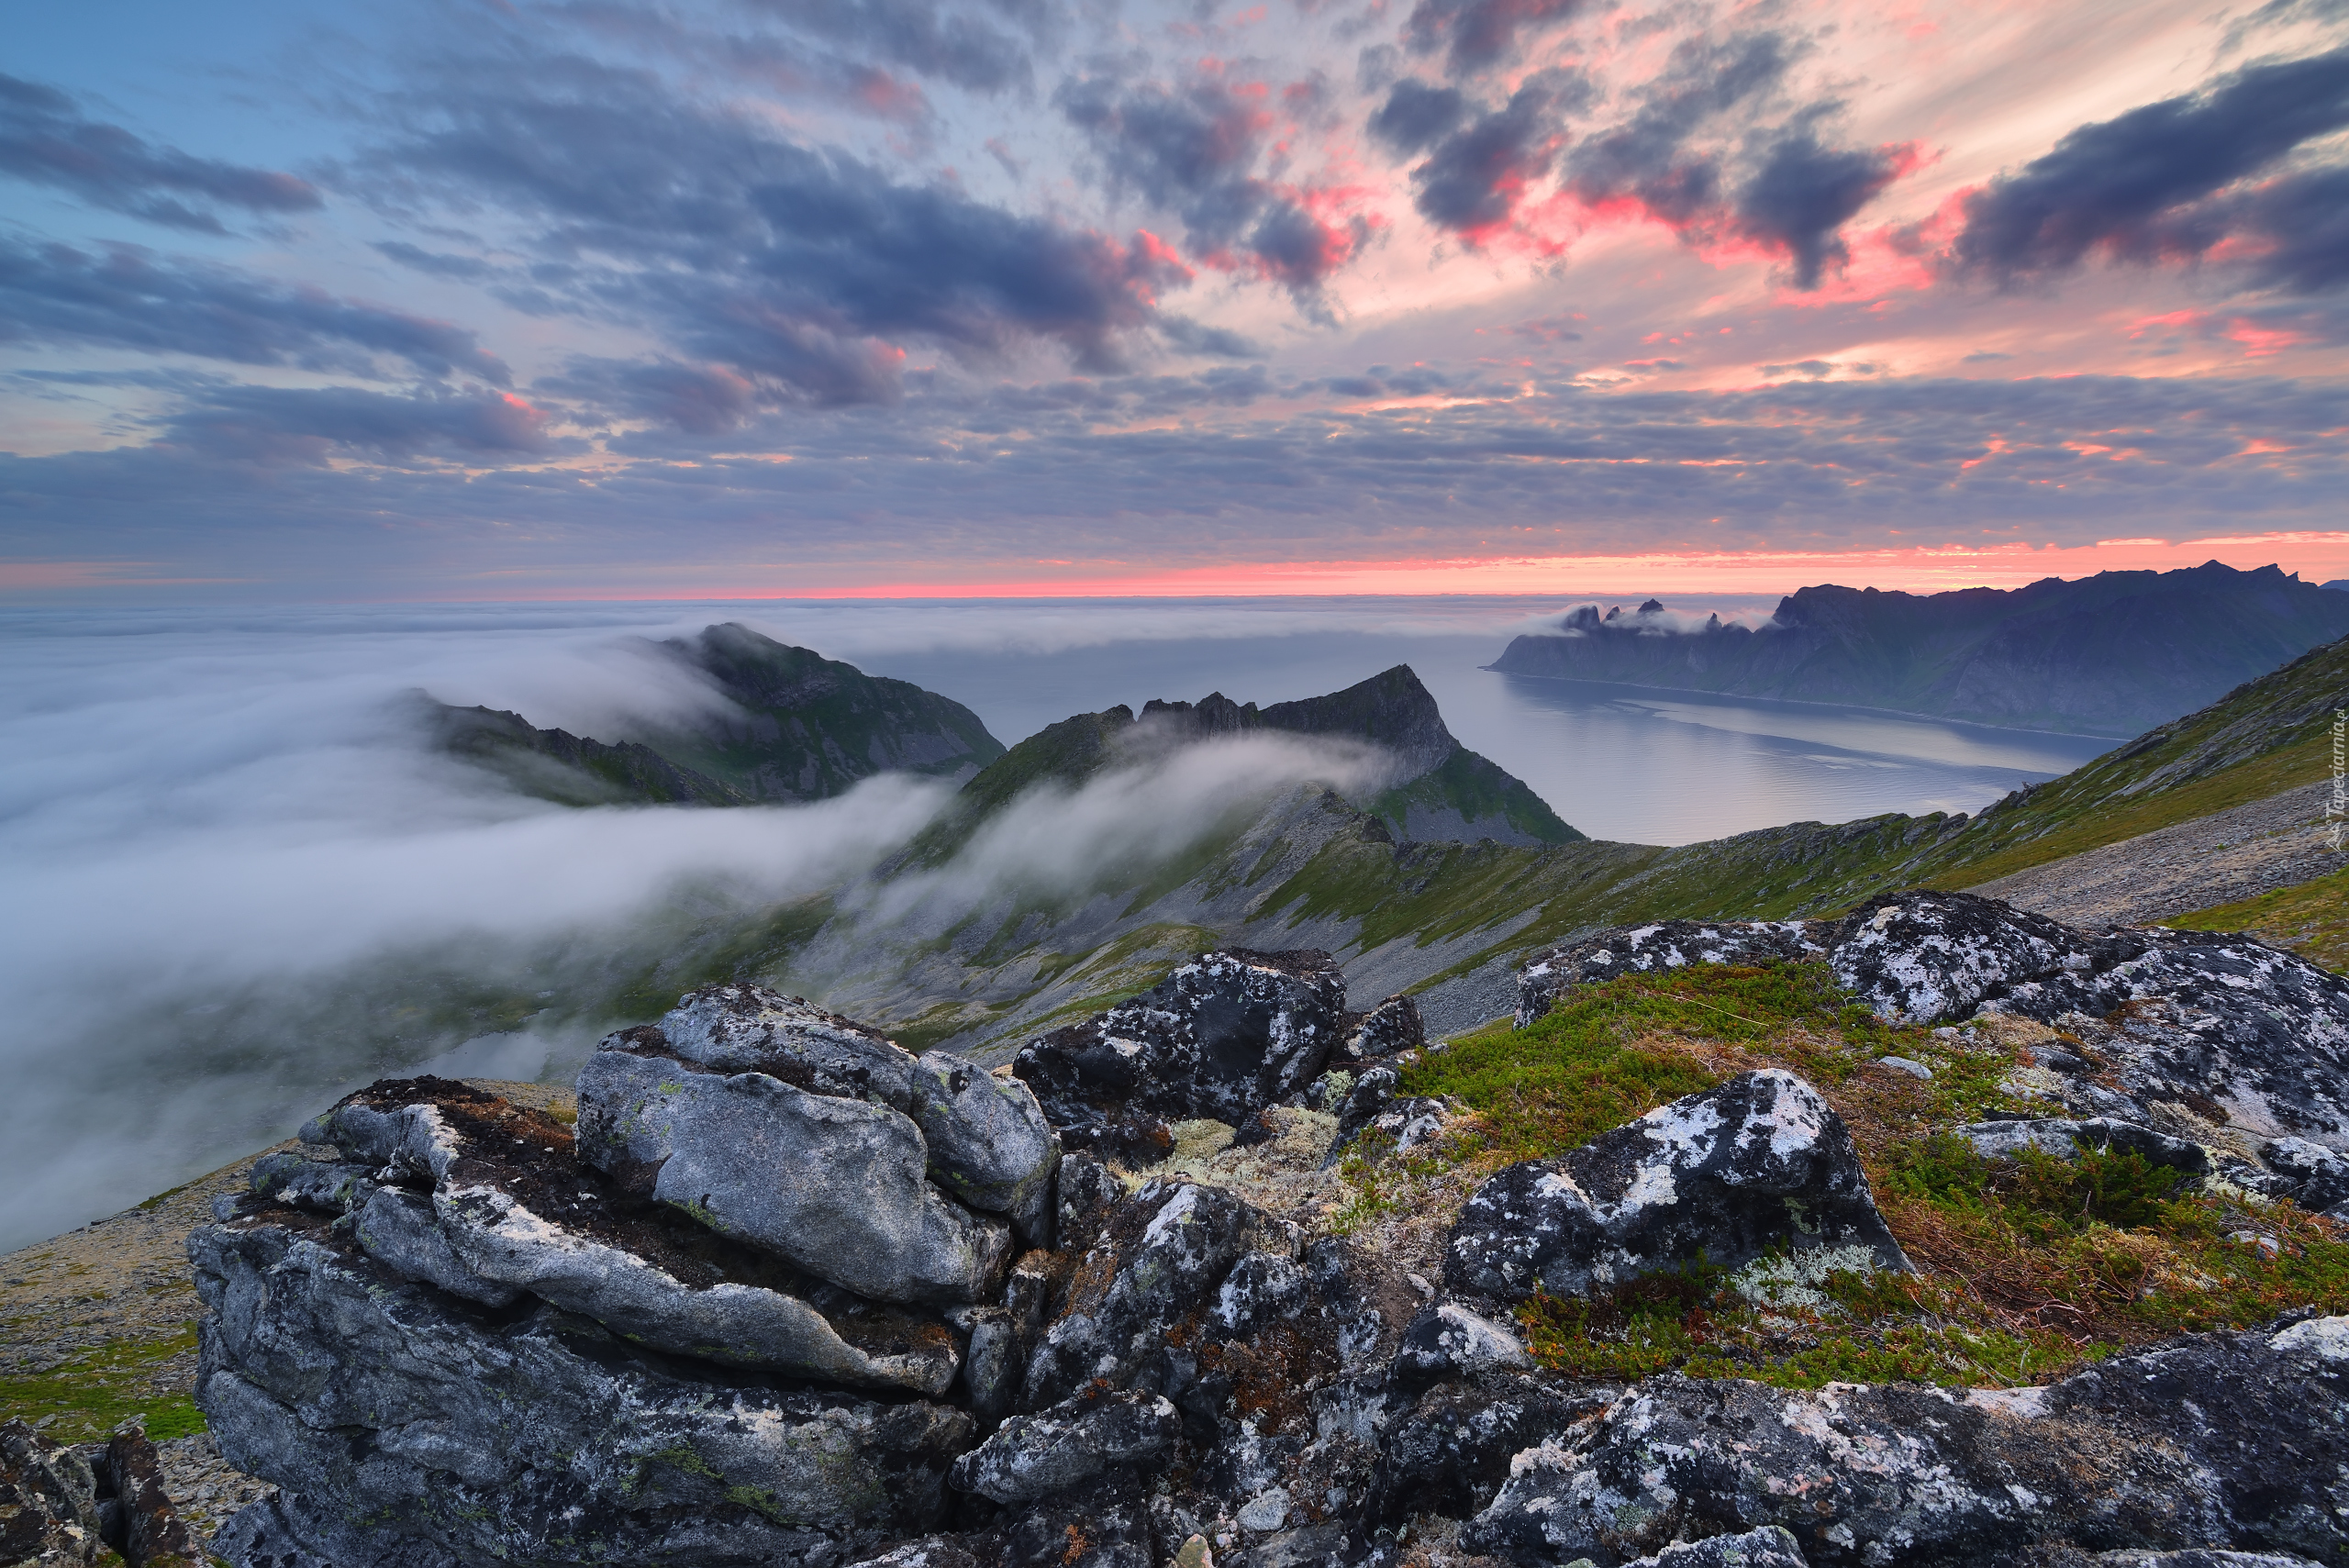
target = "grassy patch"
x: 97, y: 1391
x: 1608, y: 1054
x: 2312, y: 919
x: 2028, y: 1268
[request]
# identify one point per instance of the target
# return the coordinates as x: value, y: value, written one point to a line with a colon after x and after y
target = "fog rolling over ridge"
x: 244, y: 879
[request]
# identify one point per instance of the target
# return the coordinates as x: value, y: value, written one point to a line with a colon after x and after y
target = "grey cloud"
x: 127, y: 297
x: 1799, y: 198
x: 2134, y: 187
x: 1194, y: 152
x: 807, y: 265
x: 436, y: 263
x: 286, y: 425
x: 1416, y: 115
x: 954, y: 43
x: 1474, y: 34
x: 46, y: 140
x: 1474, y: 178
x: 1808, y: 464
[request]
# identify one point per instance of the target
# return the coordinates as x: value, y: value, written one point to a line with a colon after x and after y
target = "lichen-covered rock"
x: 2066, y: 1138
x: 1447, y: 1340
x: 1161, y: 1259
x: 400, y: 1230
x: 2212, y: 1038
x: 317, y: 1185
x: 1768, y: 1547
x: 986, y: 1140
x: 1058, y: 1449
x: 1758, y: 1162
x: 517, y: 1214
x: 2227, y: 1441
x: 1449, y: 1454
x: 1375, y: 1104
x: 835, y: 1185
x: 1389, y: 1029
x: 146, y: 1524
x: 1661, y: 946
x: 405, y: 1428
x: 49, y: 1504
x: 1221, y: 1038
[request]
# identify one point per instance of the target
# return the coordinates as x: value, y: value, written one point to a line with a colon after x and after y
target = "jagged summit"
x: 1441, y: 791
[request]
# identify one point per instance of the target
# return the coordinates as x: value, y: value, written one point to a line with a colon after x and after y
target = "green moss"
x: 95, y: 1392
x: 1606, y: 1054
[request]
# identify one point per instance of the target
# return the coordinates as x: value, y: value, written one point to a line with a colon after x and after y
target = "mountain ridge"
x: 2113, y: 654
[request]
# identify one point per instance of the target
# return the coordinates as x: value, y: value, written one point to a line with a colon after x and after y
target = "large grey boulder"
x: 1722, y: 1176
x: 1055, y: 1449
x: 510, y: 1213
x: 984, y: 1138
x: 406, y: 1427
x: 2235, y: 1442
x: 1221, y: 1038
x: 839, y: 1187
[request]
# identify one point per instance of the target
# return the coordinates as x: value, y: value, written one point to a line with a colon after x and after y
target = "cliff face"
x: 2113, y: 654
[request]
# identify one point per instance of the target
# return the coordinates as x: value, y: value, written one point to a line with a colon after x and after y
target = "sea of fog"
x: 238, y: 883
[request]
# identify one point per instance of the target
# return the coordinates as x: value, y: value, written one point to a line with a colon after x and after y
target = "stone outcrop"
x: 1718, y: 1178
x: 2215, y: 1039
x: 469, y: 1336
x: 1221, y: 1038
x: 87, y: 1507
x: 2233, y: 1440
x: 406, y: 1427
x: 805, y: 1135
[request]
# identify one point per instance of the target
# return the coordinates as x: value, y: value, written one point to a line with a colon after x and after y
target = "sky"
x: 606, y: 298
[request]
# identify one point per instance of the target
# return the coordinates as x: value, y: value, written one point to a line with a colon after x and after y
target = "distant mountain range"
x: 2114, y: 654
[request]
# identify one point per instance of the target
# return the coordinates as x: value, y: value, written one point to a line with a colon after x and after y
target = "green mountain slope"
x: 809, y: 726
x: 2112, y: 654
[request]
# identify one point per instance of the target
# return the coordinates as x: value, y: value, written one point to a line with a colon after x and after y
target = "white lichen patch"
x: 1792, y: 1284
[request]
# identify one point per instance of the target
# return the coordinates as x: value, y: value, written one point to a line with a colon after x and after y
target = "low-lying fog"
x: 238, y: 883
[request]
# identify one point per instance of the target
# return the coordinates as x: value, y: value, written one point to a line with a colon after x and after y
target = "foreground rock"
x: 1718, y: 1178
x: 2227, y: 1441
x: 503, y: 1219
x: 1221, y: 1038
x: 2214, y: 1039
x: 406, y: 1427
x: 805, y: 1135
x: 101, y: 1505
